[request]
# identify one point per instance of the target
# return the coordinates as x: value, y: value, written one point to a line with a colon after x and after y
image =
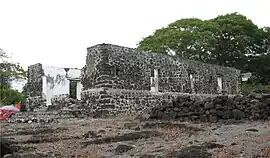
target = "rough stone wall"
x: 33, y: 88
x: 34, y: 81
x: 34, y: 103
x: 47, y: 82
x: 60, y: 101
x: 97, y: 72
x: 113, y: 101
x: 183, y: 107
x: 214, y: 109
x: 119, y: 67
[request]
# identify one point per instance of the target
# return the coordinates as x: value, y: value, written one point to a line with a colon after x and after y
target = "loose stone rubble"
x: 184, y: 108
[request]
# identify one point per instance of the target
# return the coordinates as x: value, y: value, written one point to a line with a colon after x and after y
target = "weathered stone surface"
x: 124, y: 137
x: 211, y: 145
x: 131, y: 125
x: 121, y: 148
x: 238, y: 107
x: 238, y: 114
x: 31, y: 155
x: 91, y: 134
x: 113, y: 78
x: 115, y: 66
x: 7, y: 147
x: 191, y: 152
x: 150, y: 156
x: 34, y: 83
x: 208, y: 105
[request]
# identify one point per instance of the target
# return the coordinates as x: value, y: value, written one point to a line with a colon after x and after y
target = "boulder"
x: 91, y: 134
x: 213, y: 118
x: 7, y: 147
x: 182, y: 99
x: 203, y: 118
x: 218, y: 106
x: 238, y: 114
x: 226, y: 114
x: 208, y: 105
x: 218, y: 100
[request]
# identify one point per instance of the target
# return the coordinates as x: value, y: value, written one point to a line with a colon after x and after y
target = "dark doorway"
x: 72, y: 89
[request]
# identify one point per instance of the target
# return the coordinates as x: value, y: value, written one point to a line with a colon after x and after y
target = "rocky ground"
x: 134, y: 137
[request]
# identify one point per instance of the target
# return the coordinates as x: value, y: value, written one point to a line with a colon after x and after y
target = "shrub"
x: 9, y: 96
x: 255, y: 88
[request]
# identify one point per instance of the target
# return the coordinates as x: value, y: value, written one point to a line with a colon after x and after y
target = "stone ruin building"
x: 118, y: 79
x: 47, y: 83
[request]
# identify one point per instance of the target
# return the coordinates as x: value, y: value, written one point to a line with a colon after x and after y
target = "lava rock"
x: 237, y: 114
x: 208, y: 105
x: 130, y: 125
x: 7, y: 147
x: 150, y: 156
x: 91, y: 134
x: 122, y: 148
x: 191, y: 152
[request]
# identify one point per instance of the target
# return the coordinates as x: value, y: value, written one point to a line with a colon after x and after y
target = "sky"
x: 58, y: 32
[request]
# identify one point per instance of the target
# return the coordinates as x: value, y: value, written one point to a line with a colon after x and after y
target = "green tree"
x: 9, y: 72
x: 228, y: 40
x: 187, y: 38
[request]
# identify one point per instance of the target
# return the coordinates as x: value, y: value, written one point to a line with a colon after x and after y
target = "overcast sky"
x: 57, y: 32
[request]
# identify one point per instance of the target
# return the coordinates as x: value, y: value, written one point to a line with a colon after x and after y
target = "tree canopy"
x: 228, y: 40
x: 9, y: 72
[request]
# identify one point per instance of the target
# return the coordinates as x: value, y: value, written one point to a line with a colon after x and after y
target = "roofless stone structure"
x: 120, y: 79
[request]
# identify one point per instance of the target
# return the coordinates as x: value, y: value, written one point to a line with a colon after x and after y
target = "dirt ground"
x: 129, y: 137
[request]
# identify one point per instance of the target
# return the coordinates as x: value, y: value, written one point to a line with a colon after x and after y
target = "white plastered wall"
x: 55, y: 81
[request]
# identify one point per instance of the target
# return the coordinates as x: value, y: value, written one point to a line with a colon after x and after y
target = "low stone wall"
x: 180, y: 106
x: 185, y: 108
x: 111, y: 101
x: 59, y: 101
x: 34, y: 103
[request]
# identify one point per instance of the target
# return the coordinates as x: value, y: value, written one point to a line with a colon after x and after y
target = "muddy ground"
x: 129, y: 137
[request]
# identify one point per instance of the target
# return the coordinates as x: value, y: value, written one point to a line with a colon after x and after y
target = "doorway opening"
x: 72, y: 89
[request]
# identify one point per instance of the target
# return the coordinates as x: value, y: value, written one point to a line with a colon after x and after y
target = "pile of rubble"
x: 185, y: 108
x: 60, y: 109
x: 34, y: 117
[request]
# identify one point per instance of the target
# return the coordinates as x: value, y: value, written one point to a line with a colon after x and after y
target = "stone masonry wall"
x: 33, y: 103
x: 34, y: 81
x: 119, y: 67
x: 33, y: 89
x: 214, y: 109
x: 183, y: 107
x: 112, y: 101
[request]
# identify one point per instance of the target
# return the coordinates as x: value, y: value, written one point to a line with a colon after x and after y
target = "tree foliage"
x: 10, y: 96
x: 229, y: 40
x: 9, y: 72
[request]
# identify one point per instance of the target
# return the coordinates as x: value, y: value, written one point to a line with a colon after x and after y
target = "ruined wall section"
x: 183, y: 107
x: 55, y: 82
x: 119, y: 67
x: 34, y: 87
x: 34, y: 82
x: 48, y: 82
x: 90, y: 71
x: 103, y: 101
